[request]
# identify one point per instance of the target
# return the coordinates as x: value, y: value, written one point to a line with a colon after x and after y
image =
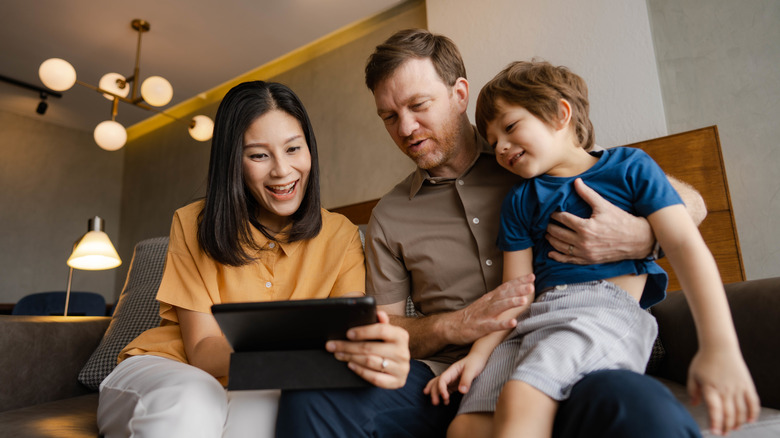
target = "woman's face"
x: 276, y: 164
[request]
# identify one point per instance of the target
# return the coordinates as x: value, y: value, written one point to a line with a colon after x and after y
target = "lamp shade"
x: 110, y: 135
x: 156, y: 91
x: 201, y: 128
x: 57, y: 74
x: 94, y: 252
x: 110, y: 82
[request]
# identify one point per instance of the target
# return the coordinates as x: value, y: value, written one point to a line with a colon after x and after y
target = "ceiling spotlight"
x: 42, y: 105
x: 155, y: 91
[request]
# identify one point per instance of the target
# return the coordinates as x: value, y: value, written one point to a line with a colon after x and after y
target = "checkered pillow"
x: 136, y: 311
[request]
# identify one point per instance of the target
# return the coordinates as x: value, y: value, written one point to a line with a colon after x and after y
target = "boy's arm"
x: 517, y: 264
x: 718, y: 373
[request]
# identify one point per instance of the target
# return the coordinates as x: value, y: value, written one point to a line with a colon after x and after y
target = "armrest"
x: 42, y: 356
x: 755, y: 308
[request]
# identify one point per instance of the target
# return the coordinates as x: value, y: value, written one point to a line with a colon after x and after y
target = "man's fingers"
x: 589, y: 195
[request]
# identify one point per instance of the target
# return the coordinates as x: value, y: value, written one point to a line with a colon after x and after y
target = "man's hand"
x: 429, y: 334
x: 609, y: 235
x: 483, y: 316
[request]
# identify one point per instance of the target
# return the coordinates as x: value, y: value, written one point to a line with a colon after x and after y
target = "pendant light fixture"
x: 155, y: 91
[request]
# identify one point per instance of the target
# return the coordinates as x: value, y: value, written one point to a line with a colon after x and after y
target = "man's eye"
x: 388, y: 119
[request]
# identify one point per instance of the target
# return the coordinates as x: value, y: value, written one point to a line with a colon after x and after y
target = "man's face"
x: 421, y: 113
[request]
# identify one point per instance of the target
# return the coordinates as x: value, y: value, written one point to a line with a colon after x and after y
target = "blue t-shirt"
x: 626, y: 177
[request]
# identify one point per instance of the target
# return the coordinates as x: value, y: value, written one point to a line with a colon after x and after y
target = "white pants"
x: 150, y: 396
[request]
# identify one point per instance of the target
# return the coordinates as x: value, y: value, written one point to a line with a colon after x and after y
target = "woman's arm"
x: 718, y: 373
x: 610, y: 234
x: 204, y: 343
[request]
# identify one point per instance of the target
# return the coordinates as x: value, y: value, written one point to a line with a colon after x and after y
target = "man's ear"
x: 564, y: 114
x: 461, y: 92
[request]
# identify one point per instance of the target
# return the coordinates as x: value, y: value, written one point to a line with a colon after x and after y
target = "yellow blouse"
x: 329, y: 265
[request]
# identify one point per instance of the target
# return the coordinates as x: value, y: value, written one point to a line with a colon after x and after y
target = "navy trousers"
x: 603, y: 404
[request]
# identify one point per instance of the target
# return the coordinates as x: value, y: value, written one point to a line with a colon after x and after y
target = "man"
x: 433, y: 238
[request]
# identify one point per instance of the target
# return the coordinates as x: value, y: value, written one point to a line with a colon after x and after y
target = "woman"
x: 259, y: 235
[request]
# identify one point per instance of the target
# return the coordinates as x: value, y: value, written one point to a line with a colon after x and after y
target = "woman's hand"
x: 721, y: 378
x: 457, y: 377
x: 377, y: 352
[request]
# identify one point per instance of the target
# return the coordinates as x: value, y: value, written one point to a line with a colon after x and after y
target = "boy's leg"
x: 473, y: 425
x: 619, y: 403
x: 523, y: 410
x: 366, y: 412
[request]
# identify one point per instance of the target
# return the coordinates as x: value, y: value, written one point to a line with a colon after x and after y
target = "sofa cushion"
x: 136, y: 311
x: 72, y: 417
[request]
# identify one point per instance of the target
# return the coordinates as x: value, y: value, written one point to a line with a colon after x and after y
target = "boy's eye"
x: 509, y: 127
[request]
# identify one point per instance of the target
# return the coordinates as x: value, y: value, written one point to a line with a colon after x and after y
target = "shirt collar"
x: 288, y: 248
x: 421, y: 175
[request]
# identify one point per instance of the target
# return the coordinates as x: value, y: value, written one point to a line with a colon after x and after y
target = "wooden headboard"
x: 693, y: 157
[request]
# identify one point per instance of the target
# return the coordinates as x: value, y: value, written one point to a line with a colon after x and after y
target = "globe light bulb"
x: 57, y: 74
x: 156, y: 91
x: 201, y: 128
x: 110, y: 135
x: 110, y: 82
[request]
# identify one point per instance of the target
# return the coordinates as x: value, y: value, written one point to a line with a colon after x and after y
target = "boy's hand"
x: 443, y: 385
x: 721, y: 378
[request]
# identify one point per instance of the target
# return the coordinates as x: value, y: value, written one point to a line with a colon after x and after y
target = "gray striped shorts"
x: 568, y: 332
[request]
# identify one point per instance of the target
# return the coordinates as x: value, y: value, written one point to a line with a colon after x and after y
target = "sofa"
x: 51, y: 366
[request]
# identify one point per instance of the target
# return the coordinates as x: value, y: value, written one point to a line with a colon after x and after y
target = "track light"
x: 155, y: 91
x: 44, y: 93
x: 42, y: 105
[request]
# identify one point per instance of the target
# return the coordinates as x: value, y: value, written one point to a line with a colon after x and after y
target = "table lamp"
x: 92, y: 252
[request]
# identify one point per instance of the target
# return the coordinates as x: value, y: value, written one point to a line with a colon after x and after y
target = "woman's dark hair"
x: 230, y: 212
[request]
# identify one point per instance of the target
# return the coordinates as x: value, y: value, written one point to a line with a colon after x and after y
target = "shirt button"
x: 461, y: 182
x: 271, y: 245
x: 475, y: 220
x: 267, y: 284
x: 489, y: 262
x: 562, y: 286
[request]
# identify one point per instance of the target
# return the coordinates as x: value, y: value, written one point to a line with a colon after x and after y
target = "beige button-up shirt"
x: 434, y: 239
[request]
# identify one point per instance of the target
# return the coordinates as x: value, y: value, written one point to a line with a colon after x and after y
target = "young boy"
x: 585, y: 317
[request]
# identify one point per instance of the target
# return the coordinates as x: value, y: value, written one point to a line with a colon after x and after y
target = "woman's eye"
x: 258, y: 156
x: 293, y: 149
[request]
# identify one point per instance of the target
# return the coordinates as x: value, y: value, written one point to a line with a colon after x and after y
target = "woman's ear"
x: 564, y: 114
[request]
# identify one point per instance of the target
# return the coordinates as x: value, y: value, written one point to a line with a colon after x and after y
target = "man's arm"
x: 610, y: 234
x: 429, y: 334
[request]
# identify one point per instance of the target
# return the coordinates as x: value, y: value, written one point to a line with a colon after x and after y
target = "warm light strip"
x: 319, y: 47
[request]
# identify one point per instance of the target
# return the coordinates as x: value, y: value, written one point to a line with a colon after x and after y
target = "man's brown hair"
x: 538, y: 86
x: 415, y: 44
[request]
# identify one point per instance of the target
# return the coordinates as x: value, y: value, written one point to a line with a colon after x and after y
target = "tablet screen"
x: 293, y: 324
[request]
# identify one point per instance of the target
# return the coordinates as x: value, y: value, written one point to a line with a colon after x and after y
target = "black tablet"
x: 293, y: 324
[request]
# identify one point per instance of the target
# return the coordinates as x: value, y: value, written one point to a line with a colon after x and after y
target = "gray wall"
x: 52, y: 180
x: 719, y: 64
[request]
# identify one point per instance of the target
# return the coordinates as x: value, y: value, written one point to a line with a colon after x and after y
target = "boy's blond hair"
x: 538, y: 86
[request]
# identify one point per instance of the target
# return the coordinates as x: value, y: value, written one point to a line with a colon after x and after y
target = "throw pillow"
x: 136, y: 310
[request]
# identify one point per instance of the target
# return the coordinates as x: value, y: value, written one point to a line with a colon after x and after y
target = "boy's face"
x: 526, y: 145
